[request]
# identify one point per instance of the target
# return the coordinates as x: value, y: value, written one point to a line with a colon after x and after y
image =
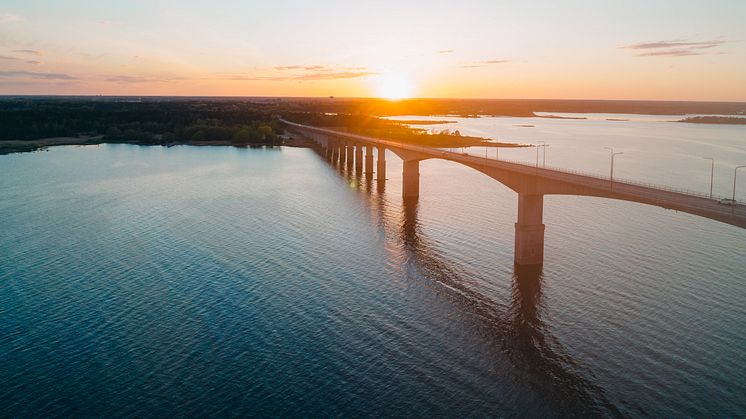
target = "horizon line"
x: 333, y: 97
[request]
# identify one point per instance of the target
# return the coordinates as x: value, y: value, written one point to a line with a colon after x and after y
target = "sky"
x: 649, y: 50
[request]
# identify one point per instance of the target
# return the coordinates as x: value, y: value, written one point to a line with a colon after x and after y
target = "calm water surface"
x: 149, y: 281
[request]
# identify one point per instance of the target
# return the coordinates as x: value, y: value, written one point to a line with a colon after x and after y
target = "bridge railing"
x: 538, y: 169
x: 599, y: 177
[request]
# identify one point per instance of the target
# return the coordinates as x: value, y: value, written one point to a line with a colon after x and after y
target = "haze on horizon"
x: 656, y: 50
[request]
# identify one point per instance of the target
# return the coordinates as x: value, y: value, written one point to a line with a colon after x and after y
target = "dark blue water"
x: 149, y: 281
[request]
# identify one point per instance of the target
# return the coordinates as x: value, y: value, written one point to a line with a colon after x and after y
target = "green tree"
x: 241, y: 136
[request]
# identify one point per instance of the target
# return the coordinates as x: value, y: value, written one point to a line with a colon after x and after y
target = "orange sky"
x: 694, y: 50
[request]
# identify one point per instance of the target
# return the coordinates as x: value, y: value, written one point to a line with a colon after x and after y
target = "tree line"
x: 149, y: 122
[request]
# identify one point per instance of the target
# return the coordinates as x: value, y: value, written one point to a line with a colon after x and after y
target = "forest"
x: 137, y: 121
x: 28, y: 123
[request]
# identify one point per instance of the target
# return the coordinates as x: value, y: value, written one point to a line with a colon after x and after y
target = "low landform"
x: 394, y: 130
x: 422, y: 122
x: 33, y: 123
x: 561, y: 117
x: 30, y: 123
x: 712, y: 119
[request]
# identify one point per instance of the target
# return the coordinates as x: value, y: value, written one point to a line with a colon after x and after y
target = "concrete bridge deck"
x: 529, y: 181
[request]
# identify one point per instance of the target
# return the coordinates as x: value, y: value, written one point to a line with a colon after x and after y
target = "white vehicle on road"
x: 727, y: 201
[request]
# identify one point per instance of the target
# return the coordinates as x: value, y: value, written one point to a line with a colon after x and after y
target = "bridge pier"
x: 342, y: 152
x: 358, y: 158
x: 410, y: 178
x: 350, y: 154
x: 326, y: 150
x: 381, y: 164
x: 369, y: 161
x: 333, y: 152
x: 529, y: 230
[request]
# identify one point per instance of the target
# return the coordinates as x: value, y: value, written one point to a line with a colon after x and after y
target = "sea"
x: 148, y: 281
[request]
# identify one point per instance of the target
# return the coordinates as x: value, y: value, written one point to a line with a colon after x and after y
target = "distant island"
x: 421, y: 122
x: 561, y: 117
x: 729, y: 120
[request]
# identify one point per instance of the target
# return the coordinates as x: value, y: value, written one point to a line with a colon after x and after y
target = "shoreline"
x: 29, y: 146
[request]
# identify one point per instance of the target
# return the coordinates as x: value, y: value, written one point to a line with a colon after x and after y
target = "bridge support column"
x: 529, y: 230
x: 325, y: 149
x: 381, y: 164
x: 410, y: 178
x: 368, y: 160
x: 342, y: 152
x: 350, y: 154
x: 333, y: 151
x: 358, y: 158
x: 329, y: 150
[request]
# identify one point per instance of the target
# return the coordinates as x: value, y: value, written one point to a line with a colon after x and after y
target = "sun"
x: 393, y: 87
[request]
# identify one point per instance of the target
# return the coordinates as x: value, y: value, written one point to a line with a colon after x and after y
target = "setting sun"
x: 393, y: 87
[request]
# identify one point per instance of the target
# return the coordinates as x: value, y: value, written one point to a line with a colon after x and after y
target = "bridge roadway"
x: 529, y: 181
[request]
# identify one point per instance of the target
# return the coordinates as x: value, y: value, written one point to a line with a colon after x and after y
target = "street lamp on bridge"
x: 712, y: 171
x: 735, y: 172
x: 544, y: 146
x: 611, y: 171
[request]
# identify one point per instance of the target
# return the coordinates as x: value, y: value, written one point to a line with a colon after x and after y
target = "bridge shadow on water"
x: 516, y: 328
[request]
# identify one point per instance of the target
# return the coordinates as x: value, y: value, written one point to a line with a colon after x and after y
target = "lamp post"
x: 543, y: 144
x: 544, y: 155
x: 712, y: 171
x: 611, y: 172
x: 735, y: 172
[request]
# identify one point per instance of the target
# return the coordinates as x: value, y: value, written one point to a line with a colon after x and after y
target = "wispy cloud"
x: 331, y: 75
x: 674, y: 48
x: 671, y: 53
x: 34, y: 62
x: 35, y: 75
x: 304, y: 73
x: 446, y: 51
x: 9, y: 17
x: 302, y: 67
x: 5, y: 57
x: 676, y: 43
x: 139, y: 79
x: 29, y: 51
x: 484, y: 63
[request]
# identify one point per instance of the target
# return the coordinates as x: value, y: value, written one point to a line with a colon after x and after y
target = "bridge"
x: 530, y: 182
